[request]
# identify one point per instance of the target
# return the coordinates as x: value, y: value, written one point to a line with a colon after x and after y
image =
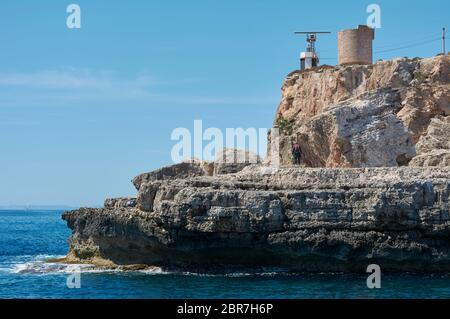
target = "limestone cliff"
x: 297, y: 219
x: 367, y: 115
x: 356, y: 124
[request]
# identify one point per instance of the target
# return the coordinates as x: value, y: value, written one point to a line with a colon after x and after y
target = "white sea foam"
x: 155, y: 271
x: 42, y: 267
x: 38, y: 265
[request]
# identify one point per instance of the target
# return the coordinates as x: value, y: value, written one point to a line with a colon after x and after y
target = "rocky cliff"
x: 368, y: 115
x: 298, y: 219
x: 353, y: 206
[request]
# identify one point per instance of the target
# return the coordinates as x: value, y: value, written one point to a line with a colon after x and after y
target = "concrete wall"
x: 355, y: 45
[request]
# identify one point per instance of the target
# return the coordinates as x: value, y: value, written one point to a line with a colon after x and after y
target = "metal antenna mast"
x: 443, y: 41
x: 309, y: 58
x: 311, y: 37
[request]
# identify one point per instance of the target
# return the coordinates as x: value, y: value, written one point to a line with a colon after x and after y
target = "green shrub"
x: 284, y: 125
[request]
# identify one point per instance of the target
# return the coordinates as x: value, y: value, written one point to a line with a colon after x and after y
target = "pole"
x: 443, y: 41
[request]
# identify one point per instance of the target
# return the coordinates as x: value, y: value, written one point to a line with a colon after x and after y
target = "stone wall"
x: 355, y: 45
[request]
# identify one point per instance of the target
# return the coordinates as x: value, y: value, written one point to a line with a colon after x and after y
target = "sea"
x: 30, y: 237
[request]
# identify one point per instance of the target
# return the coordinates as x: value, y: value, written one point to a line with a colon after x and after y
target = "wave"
x: 38, y: 265
x: 42, y: 267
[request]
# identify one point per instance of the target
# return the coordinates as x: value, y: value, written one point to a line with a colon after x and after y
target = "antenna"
x: 443, y: 41
x: 309, y: 58
x: 311, y: 38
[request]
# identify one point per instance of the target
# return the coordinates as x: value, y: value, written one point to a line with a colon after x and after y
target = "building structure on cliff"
x: 355, y: 45
x: 309, y: 58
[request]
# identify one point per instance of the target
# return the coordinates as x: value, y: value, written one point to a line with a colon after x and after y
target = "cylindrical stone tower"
x: 355, y: 45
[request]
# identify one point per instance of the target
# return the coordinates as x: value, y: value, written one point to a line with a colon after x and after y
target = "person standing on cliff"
x: 296, y: 153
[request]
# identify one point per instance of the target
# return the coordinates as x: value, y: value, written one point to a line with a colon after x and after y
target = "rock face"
x: 377, y: 141
x: 433, y: 147
x: 364, y: 115
x: 295, y: 218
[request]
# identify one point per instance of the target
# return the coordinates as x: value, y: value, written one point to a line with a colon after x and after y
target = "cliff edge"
x: 379, y: 115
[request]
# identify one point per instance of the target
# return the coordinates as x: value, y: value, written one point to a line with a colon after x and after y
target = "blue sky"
x: 83, y: 111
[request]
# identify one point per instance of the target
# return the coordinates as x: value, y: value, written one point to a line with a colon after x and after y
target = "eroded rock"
x: 300, y: 219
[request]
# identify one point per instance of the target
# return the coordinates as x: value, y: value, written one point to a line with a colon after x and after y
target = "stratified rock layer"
x: 294, y: 218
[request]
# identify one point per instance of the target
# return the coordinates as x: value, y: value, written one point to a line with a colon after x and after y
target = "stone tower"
x: 355, y: 45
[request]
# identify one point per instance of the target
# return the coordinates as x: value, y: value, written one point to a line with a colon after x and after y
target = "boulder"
x: 229, y: 161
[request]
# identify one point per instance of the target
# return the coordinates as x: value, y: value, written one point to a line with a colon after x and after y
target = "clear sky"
x: 82, y: 111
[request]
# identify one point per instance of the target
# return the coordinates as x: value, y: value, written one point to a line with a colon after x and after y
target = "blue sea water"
x: 28, y: 238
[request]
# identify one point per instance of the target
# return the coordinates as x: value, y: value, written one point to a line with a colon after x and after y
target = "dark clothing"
x: 296, y: 154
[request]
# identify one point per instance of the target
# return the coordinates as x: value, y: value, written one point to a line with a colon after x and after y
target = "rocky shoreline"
x: 299, y: 219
